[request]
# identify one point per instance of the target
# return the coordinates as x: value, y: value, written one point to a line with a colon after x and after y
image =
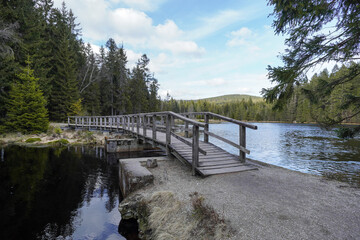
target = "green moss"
x: 57, y: 131
x: 60, y: 142
x: 32, y: 140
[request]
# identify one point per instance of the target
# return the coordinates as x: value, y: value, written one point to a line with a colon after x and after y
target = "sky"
x: 197, y: 48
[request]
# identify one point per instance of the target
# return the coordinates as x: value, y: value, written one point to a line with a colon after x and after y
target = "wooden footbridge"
x: 179, y: 135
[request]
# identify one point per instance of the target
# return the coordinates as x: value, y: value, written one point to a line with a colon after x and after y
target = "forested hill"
x: 298, y: 108
x: 231, y: 98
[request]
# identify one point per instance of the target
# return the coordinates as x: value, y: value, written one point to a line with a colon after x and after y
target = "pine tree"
x: 26, y: 110
x: 309, y: 44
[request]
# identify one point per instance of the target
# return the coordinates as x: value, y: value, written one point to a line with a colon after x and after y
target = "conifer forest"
x: 47, y: 72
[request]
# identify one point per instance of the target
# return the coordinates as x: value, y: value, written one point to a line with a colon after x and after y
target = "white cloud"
x: 95, y: 48
x: 243, y: 37
x: 210, y: 82
x: 222, y: 19
x: 132, y: 58
x: 100, y: 21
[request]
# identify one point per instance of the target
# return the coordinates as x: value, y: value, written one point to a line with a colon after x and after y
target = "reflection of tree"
x: 20, y: 177
x: 52, y: 185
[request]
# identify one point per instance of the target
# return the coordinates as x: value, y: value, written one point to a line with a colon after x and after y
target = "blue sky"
x: 197, y: 48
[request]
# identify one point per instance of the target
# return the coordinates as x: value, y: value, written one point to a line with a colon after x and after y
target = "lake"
x: 300, y: 147
x: 73, y: 192
x: 60, y: 193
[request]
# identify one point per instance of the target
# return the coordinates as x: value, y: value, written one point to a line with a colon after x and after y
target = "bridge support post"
x: 195, y: 149
x: 206, y: 128
x: 154, y: 129
x: 168, y: 134
x: 242, y: 142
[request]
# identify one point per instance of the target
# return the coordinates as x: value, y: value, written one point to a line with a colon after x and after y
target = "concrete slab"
x: 134, y: 175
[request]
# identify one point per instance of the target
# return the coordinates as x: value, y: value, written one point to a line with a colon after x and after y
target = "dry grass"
x: 171, y: 219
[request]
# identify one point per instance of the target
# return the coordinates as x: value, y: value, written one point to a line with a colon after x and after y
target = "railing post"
x: 89, y: 123
x: 76, y: 121
x: 144, y: 126
x: 172, y: 122
x: 82, y: 122
x: 133, y: 123
x: 154, y: 129
x: 195, y: 149
x: 242, y: 142
x: 138, y: 124
x: 96, y: 122
x: 123, y: 123
x: 187, y: 127
x: 128, y: 122
x: 117, y: 123
x: 168, y: 134
x: 206, y: 128
x: 100, y: 123
x: 68, y: 121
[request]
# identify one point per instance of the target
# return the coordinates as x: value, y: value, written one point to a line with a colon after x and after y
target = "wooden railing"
x: 242, y: 131
x: 165, y: 122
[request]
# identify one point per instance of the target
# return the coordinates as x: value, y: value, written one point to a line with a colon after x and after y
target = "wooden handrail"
x: 242, y: 131
x: 248, y: 125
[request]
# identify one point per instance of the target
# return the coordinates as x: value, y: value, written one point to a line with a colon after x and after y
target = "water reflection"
x: 59, y: 193
x: 301, y: 147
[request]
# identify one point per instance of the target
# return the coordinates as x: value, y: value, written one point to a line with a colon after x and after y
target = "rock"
x: 133, y: 176
x: 136, y: 207
x: 151, y: 163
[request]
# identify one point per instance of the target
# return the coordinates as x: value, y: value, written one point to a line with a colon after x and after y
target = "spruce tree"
x: 65, y: 91
x: 26, y: 110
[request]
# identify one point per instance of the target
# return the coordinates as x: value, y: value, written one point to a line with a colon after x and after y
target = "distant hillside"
x: 232, y: 97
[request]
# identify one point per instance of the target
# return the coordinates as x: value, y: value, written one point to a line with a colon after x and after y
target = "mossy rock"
x: 60, y: 142
x: 32, y: 140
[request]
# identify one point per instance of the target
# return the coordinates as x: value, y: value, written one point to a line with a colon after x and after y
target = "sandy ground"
x: 269, y: 203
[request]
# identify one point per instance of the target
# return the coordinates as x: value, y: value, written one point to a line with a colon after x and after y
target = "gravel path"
x: 270, y: 203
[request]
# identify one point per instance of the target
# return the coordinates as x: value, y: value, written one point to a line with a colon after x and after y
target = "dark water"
x: 59, y: 193
x: 301, y: 147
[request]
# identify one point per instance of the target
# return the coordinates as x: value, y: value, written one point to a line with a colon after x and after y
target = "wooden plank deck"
x: 216, y: 160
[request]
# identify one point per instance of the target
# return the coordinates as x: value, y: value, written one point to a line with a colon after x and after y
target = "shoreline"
x: 57, y: 134
x: 269, y: 203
